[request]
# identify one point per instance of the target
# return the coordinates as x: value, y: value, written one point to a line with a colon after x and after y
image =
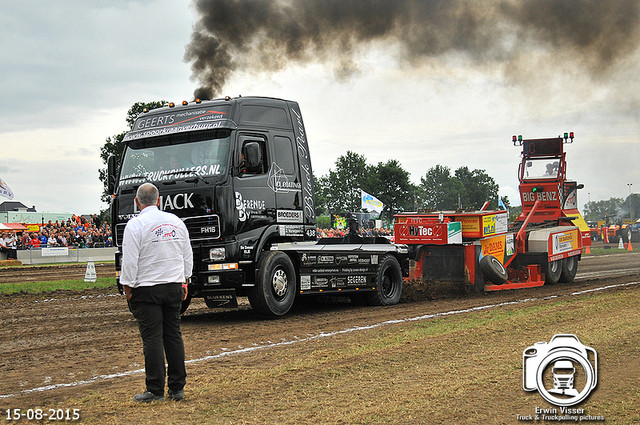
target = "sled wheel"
x: 494, y: 270
x: 275, y: 288
x: 569, y: 269
x: 554, y: 270
x: 389, y: 285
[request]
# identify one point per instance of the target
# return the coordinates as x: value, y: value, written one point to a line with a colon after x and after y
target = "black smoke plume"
x: 269, y: 35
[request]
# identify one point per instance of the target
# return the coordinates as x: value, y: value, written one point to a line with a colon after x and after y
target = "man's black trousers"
x: 157, y: 310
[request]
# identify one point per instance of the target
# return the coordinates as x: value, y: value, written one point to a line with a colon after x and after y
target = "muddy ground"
x: 61, y: 345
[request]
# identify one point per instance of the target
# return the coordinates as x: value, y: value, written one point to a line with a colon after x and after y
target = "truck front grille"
x: 203, y: 227
x: 119, y: 234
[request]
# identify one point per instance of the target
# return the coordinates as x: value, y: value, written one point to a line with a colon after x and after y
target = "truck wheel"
x: 554, y: 270
x: 569, y: 269
x: 494, y: 270
x: 275, y: 288
x: 389, y: 285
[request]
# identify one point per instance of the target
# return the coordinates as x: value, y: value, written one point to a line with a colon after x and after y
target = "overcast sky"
x: 71, y: 70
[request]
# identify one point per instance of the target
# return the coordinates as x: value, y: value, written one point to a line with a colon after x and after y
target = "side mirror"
x: 252, y: 154
x: 111, y: 174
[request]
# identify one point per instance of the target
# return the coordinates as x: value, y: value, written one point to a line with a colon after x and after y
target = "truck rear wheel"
x: 275, y: 288
x: 389, y: 286
x: 569, y: 269
x: 554, y: 270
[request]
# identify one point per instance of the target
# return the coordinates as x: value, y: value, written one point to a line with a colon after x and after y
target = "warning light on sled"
x: 537, y: 189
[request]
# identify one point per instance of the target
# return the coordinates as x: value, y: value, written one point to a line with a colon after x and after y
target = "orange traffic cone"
x: 630, y: 248
x: 588, y: 250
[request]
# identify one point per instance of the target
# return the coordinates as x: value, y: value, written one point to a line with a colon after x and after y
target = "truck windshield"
x: 164, y: 158
x: 541, y: 169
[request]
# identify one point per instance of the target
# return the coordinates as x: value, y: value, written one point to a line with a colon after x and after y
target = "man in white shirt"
x: 157, y: 261
x: 4, y: 247
x: 9, y: 245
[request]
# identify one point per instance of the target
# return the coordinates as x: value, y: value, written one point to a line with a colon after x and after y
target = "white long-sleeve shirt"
x: 155, y: 249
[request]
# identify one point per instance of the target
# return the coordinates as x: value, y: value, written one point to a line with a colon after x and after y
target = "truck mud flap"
x: 221, y: 298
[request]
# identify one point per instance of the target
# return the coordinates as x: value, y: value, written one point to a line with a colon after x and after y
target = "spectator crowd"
x: 340, y: 233
x: 77, y: 232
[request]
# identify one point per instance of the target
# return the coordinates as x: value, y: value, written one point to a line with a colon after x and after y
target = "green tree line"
x: 613, y: 209
x: 439, y: 189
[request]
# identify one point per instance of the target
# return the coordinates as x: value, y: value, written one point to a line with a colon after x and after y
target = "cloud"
x: 272, y: 35
x: 63, y: 60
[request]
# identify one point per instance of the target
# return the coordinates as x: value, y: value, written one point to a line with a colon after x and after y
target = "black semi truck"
x: 238, y: 173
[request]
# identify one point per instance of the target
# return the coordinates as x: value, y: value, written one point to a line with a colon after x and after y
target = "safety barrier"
x: 65, y: 255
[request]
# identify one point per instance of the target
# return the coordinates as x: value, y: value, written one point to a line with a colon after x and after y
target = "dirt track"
x: 55, y: 348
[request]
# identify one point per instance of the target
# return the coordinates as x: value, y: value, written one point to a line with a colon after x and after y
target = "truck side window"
x: 284, y: 154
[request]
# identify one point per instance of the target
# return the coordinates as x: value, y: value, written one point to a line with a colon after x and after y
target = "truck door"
x: 255, y: 202
x: 284, y: 180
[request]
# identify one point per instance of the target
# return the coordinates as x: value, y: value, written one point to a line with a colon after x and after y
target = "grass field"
x: 609, y: 250
x: 56, y: 285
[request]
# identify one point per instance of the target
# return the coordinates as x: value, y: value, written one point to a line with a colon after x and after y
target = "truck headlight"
x: 217, y: 254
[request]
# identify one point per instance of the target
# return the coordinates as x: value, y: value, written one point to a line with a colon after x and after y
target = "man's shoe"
x: 147, y: 397
x: 176, y: 395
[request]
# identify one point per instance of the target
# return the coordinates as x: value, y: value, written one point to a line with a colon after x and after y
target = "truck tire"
x: 389, y: 284
x: 275, y: 288
x: 569, y: 269
x: 494, y: 270
x: 554, y: 270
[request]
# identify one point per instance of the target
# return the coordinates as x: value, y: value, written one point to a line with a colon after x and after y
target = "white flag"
x: 370, y: 202
x: 5, y: 191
